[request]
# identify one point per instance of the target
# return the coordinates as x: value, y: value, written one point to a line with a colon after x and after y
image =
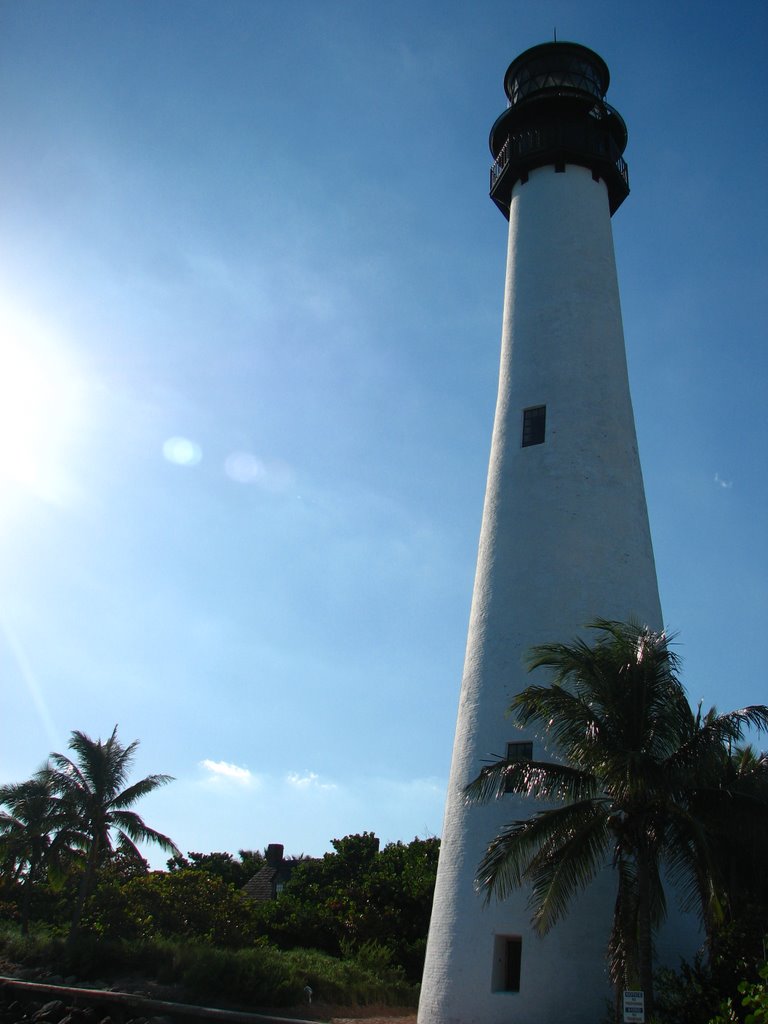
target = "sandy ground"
x: 342, y: 1014
x: 362, y: 1015
x: 374, y: 1020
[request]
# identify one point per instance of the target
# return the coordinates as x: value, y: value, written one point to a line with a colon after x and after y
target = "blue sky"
x: 250, y: 304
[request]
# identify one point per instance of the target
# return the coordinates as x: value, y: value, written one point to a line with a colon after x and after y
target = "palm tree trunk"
x: 26, y: 900
x: 623, y: 951
x: 33, y: 875
x: 86, y: 884
x: 645, y: 931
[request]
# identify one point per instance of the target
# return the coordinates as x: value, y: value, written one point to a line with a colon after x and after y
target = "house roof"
x: 262, y: 885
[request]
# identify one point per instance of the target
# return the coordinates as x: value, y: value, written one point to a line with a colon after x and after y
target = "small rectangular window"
x: 518, y: 752
x: 507, y: 961
x: 514, y: 958
x: 534, y: 423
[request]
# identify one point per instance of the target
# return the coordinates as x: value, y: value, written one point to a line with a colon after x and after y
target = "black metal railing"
x: 499, y: 165
x: 586, y: 140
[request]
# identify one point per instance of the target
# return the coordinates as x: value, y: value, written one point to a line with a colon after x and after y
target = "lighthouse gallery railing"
x: 585, y: 141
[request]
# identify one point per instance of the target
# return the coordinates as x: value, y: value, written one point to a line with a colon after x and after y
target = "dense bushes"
x: 358, y: 895
x: 183, y: 904
x: 233, y: 870
x: 351, y: 925
x: 701, y: 990
x: 264, y: 976
x: 258, y: 976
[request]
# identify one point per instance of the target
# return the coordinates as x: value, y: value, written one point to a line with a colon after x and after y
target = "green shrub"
x: 41, y: 945
x: 350, y: 981
x: 753, y: 996
x: 259, y: 976
x: 703, y: 989
x: 187, y: 904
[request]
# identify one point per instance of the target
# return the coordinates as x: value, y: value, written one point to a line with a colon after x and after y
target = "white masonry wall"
x: 564, y: 540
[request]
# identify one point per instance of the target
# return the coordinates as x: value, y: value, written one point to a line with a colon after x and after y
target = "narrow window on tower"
x: 534, y: 422
x: 507, y: 960
x: 518, y: 752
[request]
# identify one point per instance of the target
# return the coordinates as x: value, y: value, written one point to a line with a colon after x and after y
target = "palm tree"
x: 636, y: 761
x: 35, y: 835
x: 91, y: 786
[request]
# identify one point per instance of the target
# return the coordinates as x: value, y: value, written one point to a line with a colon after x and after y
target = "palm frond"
x: 511, y: 853
x: 67, y: 776
x: 625, y: 691
x: 129, y: 823
x: 128, y: 848
x: 139, y: 789
x: 104, y: 765
x: 566, y: 717
x: 539, y: 780
x: 565, y: 866
x: 690, y: 858
x: 734, y: 724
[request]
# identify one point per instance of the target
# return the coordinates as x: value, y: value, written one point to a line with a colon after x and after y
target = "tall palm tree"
x: 92, y: 787
x: 635, y: 761
x: 35, y: 835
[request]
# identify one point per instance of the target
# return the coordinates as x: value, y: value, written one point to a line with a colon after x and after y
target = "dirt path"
x: 374, y: 1020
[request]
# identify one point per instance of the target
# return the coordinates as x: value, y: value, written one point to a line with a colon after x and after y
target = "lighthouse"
x: 564, y: 539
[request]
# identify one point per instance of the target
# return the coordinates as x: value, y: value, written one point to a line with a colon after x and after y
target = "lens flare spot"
x: 244, y: 468
x: 182, y: 452
x: 269, y: 474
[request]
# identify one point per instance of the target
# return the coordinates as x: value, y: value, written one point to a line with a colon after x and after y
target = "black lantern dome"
x: 557, y: 115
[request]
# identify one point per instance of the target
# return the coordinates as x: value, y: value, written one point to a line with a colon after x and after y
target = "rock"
x: 54, y: 1010
x: 76, y: 1015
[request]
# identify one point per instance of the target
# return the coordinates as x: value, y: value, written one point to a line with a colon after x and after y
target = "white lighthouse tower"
x: 565, y: 537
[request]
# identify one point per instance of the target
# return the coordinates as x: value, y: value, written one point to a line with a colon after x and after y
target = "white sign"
x: 634, y: 1007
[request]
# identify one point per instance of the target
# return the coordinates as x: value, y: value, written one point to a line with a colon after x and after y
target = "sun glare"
x: 38, y: 410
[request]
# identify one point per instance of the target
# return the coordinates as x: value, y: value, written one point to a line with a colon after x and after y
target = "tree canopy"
x: 357, y: 895
x: 77, y: 805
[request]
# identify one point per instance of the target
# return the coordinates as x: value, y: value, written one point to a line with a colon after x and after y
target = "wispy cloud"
x: 307, y: 780
x: 727, y: 484
x: 223, y: 770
